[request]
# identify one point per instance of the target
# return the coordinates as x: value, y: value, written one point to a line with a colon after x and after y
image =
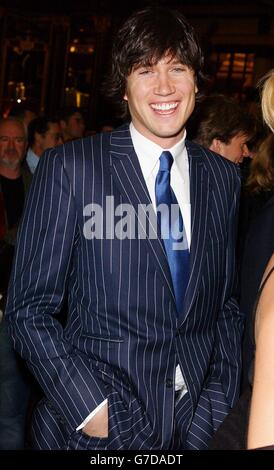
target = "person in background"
x: 250, y: 423
x: 149, y: 357
x: 260, y: 428
x: 260, y: 133
x: 72, y: 123
x: 14, y: 390
x: 256, y: 231
x: 267, y: 83
x: 43, y: 133
x: 14, y: 182
x: 220, y: 124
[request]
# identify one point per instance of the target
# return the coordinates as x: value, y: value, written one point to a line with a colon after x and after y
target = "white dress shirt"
x: 148, y: 154
x: 32, y: 160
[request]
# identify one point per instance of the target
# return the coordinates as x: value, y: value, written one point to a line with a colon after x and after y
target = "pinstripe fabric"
x: 123, y: 339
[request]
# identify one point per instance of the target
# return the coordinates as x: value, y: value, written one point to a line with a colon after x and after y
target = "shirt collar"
x: 32, y: 160
x: 148, y: 152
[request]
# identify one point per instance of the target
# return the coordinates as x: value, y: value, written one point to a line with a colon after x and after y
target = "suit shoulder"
x: 79, y: 151
x: 216, y: 164
x: 210, y: 156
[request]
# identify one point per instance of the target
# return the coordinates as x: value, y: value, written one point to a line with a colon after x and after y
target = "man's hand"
x: 98, y: 425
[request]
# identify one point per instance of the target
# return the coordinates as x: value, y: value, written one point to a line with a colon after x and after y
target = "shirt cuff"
x: 93, y: 413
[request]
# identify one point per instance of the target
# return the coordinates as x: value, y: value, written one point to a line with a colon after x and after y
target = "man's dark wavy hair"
x: 146, y: 37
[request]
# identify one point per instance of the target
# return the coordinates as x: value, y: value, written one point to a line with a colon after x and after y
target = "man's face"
x: 52, y: 137
x: 236, y: 149
x: 74, y: 128
x: 161, y: 98
x: 12, y: 143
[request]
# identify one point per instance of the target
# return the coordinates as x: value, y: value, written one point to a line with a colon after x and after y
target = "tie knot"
x: 166, y: 160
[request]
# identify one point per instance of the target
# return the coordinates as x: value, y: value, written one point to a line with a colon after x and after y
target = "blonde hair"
x: 267, y: 96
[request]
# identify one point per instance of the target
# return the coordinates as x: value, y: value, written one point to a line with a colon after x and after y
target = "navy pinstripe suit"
x: 123, y: 339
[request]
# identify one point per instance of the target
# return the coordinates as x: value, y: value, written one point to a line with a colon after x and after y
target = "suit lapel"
x: 129, y: 180
x: 200, y: 205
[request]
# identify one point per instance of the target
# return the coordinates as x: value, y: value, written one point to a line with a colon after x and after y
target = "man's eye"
x: 179, y: 69
x: 144, y: 71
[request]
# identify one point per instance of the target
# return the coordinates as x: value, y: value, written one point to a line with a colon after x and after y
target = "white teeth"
x: 164, y: 106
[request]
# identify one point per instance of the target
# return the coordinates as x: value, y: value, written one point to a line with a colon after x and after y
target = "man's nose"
x: 164, y: 85
x: 11, y: 143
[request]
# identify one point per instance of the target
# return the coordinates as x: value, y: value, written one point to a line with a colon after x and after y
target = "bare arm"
x: 261, y: 421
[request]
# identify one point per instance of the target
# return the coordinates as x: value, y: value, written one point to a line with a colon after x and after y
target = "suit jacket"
x: 123, y: 338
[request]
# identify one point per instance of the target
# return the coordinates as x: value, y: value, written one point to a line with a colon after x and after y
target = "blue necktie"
x: 170, y: 221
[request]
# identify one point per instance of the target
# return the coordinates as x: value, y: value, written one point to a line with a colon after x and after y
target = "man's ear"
x: 216, y: 145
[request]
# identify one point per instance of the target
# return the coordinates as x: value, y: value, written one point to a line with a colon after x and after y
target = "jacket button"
x: 169, y: 383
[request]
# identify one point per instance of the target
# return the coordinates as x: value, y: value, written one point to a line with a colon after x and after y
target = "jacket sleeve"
x: 226, y: 359
x: 45, y: 246
x: 221, y: 387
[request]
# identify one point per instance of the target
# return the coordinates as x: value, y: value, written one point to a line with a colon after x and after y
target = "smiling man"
x: 161, y: 97
x: 150, y: 355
